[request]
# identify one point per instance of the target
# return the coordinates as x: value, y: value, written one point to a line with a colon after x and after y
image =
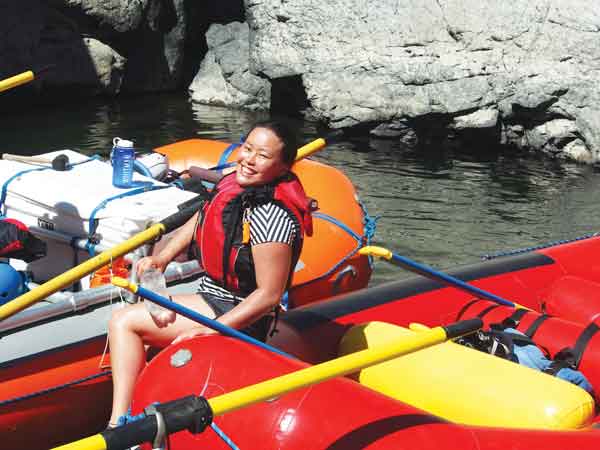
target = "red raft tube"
x: 447, y: 395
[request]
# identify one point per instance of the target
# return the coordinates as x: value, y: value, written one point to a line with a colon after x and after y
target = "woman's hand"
x: 147, y: 262
x: 193, y: 332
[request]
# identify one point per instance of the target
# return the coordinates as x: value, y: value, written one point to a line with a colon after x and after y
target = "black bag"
x: 17, y: 242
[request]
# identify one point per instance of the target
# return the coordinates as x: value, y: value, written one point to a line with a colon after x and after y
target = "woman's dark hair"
x: 284, y: 132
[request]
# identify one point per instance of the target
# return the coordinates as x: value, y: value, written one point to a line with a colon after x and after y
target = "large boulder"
x: 98, y: 46
x: 224, y: 78
x: 527, y: 63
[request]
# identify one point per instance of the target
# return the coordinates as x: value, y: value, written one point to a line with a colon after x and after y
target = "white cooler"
x: 63, y: 201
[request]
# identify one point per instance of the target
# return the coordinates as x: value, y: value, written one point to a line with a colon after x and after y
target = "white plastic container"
x: 154, y: 280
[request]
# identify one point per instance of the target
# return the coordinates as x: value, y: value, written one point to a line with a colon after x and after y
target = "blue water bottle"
x: 122, y: 159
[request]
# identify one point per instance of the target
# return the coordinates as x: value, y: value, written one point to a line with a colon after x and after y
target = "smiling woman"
x: 248, y: 238
x: 267, y: 153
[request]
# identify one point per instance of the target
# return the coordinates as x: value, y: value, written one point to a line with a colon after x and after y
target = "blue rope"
x: 223, y: 436
x: 52, y: 389
x: 369, y: 228
x: 537, y: 247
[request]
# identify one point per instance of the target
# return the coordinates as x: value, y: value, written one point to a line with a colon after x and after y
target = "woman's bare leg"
x: 129, y: 329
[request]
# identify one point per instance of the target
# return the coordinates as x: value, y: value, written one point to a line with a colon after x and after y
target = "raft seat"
x: 467, y: 386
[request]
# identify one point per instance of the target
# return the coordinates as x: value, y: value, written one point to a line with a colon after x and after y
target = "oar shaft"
x: 16, y: 80
x: 448, y: 279
x: 76, y: 273
x: 310, y: 148
x: 322, y: 372
x: 433, y: 274
x: 193, y: 315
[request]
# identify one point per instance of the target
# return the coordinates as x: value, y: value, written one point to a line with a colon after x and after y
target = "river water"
x: 441, y: 208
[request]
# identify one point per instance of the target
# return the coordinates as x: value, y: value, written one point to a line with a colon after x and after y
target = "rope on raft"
x: 538, y: 247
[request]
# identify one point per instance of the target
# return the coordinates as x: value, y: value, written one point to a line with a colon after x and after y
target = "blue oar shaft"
x: 450, y: 280
x: 203, y: 320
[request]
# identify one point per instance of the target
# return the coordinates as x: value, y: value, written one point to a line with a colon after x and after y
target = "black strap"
x: 518, y: 314
x: 536, y: 324
x: 583, y: 340
x: 563, y: 359
x: 464, y: 308
x: 514, y: 319
x: 487, y: 310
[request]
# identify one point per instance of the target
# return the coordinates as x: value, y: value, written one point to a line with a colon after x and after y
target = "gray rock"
x: 224, y: 78
x: 97, y: 46
x: 370, y: 61
x: 577, y: 151
x: 483, y: 118
x: 117, y: 15
x: 399, y: 130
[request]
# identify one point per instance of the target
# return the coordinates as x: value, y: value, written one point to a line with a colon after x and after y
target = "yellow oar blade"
x: 17, y: 80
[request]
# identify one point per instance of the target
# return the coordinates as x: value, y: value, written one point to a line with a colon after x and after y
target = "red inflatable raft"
x: 447, y: 395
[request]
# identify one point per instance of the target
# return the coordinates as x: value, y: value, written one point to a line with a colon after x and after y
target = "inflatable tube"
x: 337, y: 414
x: 484, y: 389
x: 328, y: 263
x: 573, y: 298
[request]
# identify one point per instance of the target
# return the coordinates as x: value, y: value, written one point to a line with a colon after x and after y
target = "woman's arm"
x: 272, y: 262
x: 180, y: 240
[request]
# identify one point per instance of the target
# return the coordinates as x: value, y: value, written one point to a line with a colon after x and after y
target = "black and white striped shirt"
x: 268, y: 223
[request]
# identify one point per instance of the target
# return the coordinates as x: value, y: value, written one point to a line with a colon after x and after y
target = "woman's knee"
x: 122, y: 318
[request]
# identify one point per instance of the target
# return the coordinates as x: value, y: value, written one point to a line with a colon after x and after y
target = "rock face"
x: 522, y: 73
x: 527, y: 69
x: 224, y: 78
x: 97, y: 46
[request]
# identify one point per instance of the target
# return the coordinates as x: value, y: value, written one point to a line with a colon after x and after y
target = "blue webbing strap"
x: 93, y: 222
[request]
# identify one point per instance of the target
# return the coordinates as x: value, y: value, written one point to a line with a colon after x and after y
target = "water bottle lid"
x: 123, y: 143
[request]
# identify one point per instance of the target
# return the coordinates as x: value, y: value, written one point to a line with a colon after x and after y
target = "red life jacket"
x: 226, y: 259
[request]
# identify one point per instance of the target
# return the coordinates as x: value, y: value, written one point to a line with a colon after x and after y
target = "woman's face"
x: 260, y: 158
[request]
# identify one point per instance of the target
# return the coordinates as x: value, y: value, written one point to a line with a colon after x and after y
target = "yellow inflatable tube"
x: 469, y: 387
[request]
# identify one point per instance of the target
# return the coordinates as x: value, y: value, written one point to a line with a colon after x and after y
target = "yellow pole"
x: 95, y: 442
x: 17, y: 80
x: 324, y: 371
x: 76, y: 273
x: 310, y: 148
x: 311, y: 375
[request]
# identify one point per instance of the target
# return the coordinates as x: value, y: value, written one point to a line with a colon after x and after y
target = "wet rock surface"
x: 521, y: 73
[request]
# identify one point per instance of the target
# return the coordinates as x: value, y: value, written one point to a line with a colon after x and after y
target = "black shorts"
x: 258, y: 330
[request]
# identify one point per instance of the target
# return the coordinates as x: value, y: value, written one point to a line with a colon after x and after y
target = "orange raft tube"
x: 329, y: 263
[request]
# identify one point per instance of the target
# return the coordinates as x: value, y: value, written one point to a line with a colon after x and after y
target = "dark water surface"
x: 437, y: 207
